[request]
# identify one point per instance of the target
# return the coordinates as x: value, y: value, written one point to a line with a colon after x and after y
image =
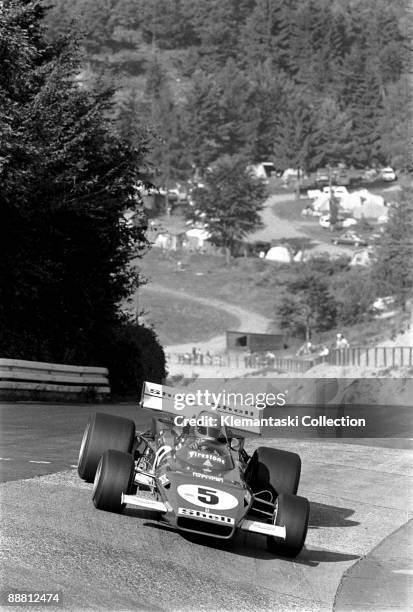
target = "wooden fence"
x: 378, y: 357
x: 381, y: 357
x: 247, y: 362
x: 37, y: 380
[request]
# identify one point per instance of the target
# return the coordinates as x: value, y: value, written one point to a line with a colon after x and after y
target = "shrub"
x: 134, y: 355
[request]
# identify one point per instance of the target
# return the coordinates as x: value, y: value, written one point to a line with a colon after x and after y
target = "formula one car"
x: 198, y: 476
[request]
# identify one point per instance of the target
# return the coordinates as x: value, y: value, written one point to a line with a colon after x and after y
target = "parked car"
x: 342, y: 222
x: 338, y: 191
x: 369, y: 174
x: 382, y: 306
x: 350, y: 238
x: 322, y: 176
x: 388, y: 174
x: 341, y: 176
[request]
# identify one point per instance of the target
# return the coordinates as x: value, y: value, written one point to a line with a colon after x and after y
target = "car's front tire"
x: 114, y: 476
x: 102, y: 432
x: 291, y: 512
x: 273, y: 470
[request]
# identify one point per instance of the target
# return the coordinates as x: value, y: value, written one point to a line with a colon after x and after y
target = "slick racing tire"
x: 291, y: 512
x: 104, y: 431
x: 114, y: 476
x: 274, y: 470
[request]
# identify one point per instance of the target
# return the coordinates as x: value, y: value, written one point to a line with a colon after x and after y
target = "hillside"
x: 230, y: 77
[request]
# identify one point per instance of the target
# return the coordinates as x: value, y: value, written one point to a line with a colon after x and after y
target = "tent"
x: 359, y: 204
x: 364, y: 204
x: 322, y: 203
x: 280, y: 254
x: 197, y: 237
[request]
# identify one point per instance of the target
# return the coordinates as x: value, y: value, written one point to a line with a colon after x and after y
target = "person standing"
x: 342, y: 342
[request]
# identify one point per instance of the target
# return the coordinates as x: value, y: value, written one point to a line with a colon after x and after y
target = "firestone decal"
x: 199, y: 455
x: 207, y: 476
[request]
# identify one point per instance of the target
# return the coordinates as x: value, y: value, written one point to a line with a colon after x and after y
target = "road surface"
x: 54, y: 539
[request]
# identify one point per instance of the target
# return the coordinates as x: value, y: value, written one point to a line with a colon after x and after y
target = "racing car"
x: 196, y: 475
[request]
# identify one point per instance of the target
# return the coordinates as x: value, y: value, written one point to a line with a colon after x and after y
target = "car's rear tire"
x: 114, y: 476
x: 102, y: 432
x: 292, y: 512
x: 274, y: 470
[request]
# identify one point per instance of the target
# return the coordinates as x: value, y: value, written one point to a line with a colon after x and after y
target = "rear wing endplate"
x: 170, y: 401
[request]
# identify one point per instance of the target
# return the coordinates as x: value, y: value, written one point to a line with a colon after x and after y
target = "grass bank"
x: 180, y: 320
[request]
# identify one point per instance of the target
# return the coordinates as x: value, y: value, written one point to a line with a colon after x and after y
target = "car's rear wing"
x: 172, y: 402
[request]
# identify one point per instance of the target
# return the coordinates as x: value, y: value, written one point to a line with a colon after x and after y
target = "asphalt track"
x: 357, y: 555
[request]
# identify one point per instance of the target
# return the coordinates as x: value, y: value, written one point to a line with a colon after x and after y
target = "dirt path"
x: 276, y: 228
x: 247, y: 320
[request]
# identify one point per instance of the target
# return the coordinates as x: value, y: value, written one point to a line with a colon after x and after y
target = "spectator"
x: 247, y: 359
x: 208, y: 357
x: 341, y: 342
x: 324, y: 351
x: 305, y: 349
x: 194, y: 354
x: 270, y: 358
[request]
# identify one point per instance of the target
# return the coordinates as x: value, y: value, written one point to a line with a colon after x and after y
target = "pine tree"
x: 294, y: 140
x: 66, y: 178
x: 202, y: 120
x: 265, y: 34
x: 393, y: 270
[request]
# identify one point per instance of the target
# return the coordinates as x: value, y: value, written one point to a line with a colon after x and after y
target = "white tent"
x: 280, y: 254
x: 359, y: 203
x: 322, y: 203
x: 198, y: 236
x: 364, y: 204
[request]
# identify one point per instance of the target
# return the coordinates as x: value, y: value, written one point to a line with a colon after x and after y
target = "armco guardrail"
x: 33, y: 379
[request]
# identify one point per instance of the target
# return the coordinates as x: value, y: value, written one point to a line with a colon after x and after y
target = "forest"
x: 301, y: 83
x: 99, y: 97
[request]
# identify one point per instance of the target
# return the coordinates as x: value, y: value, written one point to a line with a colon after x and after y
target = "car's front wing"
x: 206, y: 517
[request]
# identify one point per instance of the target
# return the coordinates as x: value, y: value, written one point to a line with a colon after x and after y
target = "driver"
x: 210, y: 429
x: 209, y: 434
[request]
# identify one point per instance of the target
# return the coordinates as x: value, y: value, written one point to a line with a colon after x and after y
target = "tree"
x: 393, y: 270
x: 293, y: 144
x: 229, y: 203
x: 355, y: 292
x: 202, y: 124
x: 308, y: 304
x: 265, y: 33
x: 66, y: 178
x: 397, y: 124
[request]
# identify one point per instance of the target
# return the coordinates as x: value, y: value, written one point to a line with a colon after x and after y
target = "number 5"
x: 207, y: 496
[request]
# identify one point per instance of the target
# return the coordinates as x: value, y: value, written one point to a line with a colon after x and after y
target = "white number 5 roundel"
x: 204, y: 496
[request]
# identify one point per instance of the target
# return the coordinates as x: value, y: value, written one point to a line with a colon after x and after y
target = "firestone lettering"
x: 199, y: 455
